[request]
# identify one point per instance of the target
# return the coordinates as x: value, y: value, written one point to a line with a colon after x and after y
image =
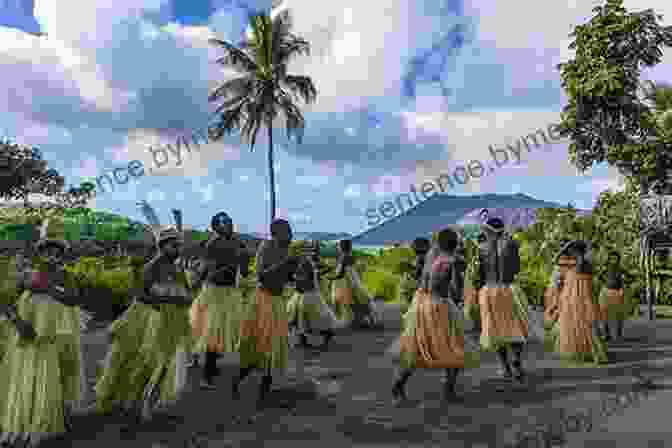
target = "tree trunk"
x: 271, y: 169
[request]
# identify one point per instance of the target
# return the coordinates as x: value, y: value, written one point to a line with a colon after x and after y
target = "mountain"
x: 442, y: 210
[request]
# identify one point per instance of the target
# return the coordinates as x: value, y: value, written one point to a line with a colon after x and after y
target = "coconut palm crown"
x: 263, y: 90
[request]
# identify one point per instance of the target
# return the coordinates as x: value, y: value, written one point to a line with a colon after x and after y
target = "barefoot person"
x: 215, y: 314
x: 579, y: 339
x: 306, y: 309
x: 264, y: 329
x: 433, y: 335
x: 614, y: 310
x: 503, y: 309
x: 41, y: 374
x: 350, y: 300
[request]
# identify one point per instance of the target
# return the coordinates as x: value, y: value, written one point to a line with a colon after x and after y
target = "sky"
x: 407, y: 90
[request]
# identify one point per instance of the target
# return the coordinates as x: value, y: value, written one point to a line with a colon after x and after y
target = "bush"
x: 381, y: 283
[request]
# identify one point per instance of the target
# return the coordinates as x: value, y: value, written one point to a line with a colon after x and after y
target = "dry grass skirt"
x: 576, y: 340
x: 215, y: 319
x: 264, y: 333
x: 504, y: 316
x: 433, y: 336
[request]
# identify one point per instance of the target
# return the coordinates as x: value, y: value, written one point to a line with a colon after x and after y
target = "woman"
x: 127, y: 335
x: 215, y: 314
x: 433, y: 334
x: 42, y: 378
x: 614, y: 309
x: 578, y: 336
x: 306, y: 309
x: 552, y: 298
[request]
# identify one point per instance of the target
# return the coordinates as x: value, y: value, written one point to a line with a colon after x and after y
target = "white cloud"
x: 312, y: 181
x: 353, y: 191
x: 155, y: 196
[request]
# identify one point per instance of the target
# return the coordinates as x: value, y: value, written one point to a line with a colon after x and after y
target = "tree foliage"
x: 606, y: 116
x: 23, y: 171
x: 263, y: 90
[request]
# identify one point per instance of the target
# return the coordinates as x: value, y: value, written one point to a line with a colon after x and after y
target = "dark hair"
x: 42, y: 246
x: 421, y: 245
x: 448, y: 239
x: 279, y: 224
x: 215, y: 219
x: 345, y: 245
x: 495, y: 223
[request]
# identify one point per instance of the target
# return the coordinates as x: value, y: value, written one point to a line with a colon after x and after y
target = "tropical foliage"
x: 607, y: 116
x: 263, y: 90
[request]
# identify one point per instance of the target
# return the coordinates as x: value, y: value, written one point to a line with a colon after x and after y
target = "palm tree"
x: 264, y: 89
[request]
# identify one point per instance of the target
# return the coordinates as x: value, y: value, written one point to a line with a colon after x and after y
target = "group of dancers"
x: 577, y: 324
x: 189, y: 299
x: 186, y: 299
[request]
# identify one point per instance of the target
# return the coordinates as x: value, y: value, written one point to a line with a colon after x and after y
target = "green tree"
x: 264, y: 89
x: 606, y: 117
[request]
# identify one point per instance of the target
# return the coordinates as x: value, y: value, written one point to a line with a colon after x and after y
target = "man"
x: 265, y: 331
x: 215, y: 315
x: 504, y: 323
x: 433, y: 335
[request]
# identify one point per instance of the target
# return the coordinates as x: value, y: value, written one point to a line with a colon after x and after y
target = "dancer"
x: 578, y: 337
x: 40, y: 373
x: 168, y: 330
x: 552, y: 298
x: 614, y: 309
x: 306, y: 309
x: 409, y: 283
x: 433, y: 335
x: 215, y: 314
x: 116, y: 386
x: 348, y: 295
x: 265, y: 331
x: 504, y: 309
x: 472, y: 283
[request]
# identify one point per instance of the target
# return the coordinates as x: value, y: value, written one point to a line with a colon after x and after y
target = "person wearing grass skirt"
x: 41, y: 378
x: 433, y: 334
x: 409, y: 282
x: 306, y: 309
x: 347, y: 291
x: 614, y: 310
x: 115, y: 386
x: 577, y: 334
x: 168, y: 334
x: 472, y: 277
x: 264, y: 329
x: 215, y: 314
x: 503, y: 309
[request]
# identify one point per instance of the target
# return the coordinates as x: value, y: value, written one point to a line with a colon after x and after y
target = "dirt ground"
x: 350, y: 404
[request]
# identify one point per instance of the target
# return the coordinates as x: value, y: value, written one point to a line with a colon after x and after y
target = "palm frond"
x: 301, y: 86
x: 237, y: 87
x: 234, y: 57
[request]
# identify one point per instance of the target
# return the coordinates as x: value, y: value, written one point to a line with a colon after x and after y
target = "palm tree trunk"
x: 271, y: 172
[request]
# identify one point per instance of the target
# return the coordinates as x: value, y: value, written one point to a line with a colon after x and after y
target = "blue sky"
x: 407, y: 90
